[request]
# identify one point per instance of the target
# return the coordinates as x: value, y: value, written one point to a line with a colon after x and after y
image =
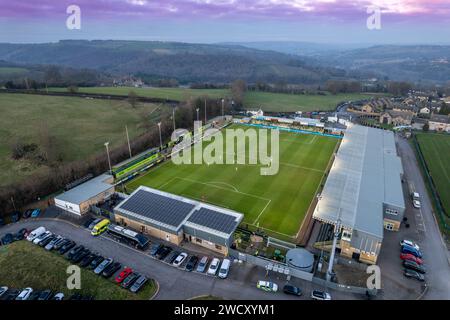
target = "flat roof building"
x: 174, y: 218
x: 363, y: 191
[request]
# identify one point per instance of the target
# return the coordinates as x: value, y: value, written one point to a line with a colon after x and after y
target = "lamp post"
x: 173, y: 117
x: 107, y: 153
x: 160, y: 137
x: 198, y: 109
x: 223, y: 101
x: 205, y: 111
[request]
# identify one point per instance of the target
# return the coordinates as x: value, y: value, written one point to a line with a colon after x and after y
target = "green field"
x: 78, y: 127
x: 12, y: 70
x: 277, y: 203
x: 277, y: 102
x: 436, y: 150
x: 23, y: 264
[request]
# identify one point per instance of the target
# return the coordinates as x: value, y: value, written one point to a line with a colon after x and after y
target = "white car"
x: 320, y: 295
x: 416, y: 204
x: 213, y: 267
x: 267, y: 286
x: 58, y: 296
x: 224, y: 268
x: 25, y: 294
x: 36, y: 233
x: 409, y: 243
x: 3, y: 290
x: 43, y: 236
x: 179, y: 260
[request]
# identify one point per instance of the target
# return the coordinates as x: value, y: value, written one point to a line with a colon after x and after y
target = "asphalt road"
x: 175, y: 283
x: 436, y: 254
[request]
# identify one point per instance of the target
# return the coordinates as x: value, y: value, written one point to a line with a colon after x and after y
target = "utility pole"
x: 109, y: 160
x: 128, y: 140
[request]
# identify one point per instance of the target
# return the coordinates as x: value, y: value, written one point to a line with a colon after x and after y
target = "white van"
x: 224, y: 268
x: 36, y: 233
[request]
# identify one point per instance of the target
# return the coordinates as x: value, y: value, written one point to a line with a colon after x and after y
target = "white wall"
x: 73, y: 208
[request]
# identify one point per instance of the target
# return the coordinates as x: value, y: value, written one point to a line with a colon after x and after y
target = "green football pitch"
x: 276, y: 203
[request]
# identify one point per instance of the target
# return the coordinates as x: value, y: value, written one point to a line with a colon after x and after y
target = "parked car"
x: 59, y: 296
x: 320, y: 295
x: 81, y: 255
x: 172, y: 256
x: 179, y: 260
x: 413, y: 274
x: 67, y: 246
x: 95, y: 262
x: 224, y: 268
x: 45, y: 295
x: 267, y: 286
x: 129, y: 281
x: 27, y: 213
x: 34, y: 295
x: 36, y: 213
x: 11, y: 294
x: 111, y: 269
x: 15, y: 216
x: 408, y: 256
x: 46, y: 241
x: 290, y: 289
x: 59, y: 244
x: 123, y: 274
x: 3, y: 291
x: 416, y: 204
x: 155, y: 248
x: 213, y: 267
x: 94, y: 223
x: 410, y: 243
x: 21, y: 234
x: 408, y: 264
x: 72, y: 253
x: 24, y: 294
x: 7, y: 239
x: 103, y: 265
x: 411, y: 250
x: 191, y: 263
x: 86, y: 261
x: 36, y: 233
x: 202, y: 264
x: 138, y: 284
x: 163, y: 253
x: 43, y: 236
x: 49, y: 246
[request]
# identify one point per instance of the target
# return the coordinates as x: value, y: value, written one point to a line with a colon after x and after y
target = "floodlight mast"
x: 337, y: 231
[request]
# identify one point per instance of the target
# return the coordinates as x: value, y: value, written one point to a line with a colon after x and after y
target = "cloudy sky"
x: 324, y: 21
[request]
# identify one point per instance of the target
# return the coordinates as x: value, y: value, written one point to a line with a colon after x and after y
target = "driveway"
x: 175, y: 283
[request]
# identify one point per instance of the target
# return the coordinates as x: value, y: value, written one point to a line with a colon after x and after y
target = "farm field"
x: 277, y: 203
x: 275, y: 102
x: 26, y: 265
x: 436, y: 150
x: 78, y: 127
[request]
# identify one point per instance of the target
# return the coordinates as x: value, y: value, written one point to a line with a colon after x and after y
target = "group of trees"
x: 341, y: 86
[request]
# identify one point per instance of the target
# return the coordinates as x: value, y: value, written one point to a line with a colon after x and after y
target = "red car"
x: 123, y: 274
x: 410, y: 257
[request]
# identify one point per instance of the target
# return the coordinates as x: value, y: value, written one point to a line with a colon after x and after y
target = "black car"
x: 74, y: 252
x: 15, y: 216
x: 44, y: 242
x: 111, y: 269
x: 86, y: 261
x: 20, y: 235
x: 88, y: 223
x: 95, y: 262
x: 173, y: 256
x: 163, y: 252
x: 75, y: 296
x: 66, y: 247
x: 81, y: 255
x: 414, y: 266
x: 155, y: 248
x: 11, y: 294
x: 27, y: 213
x: 60, y: 244
x: 191, y: 263
x: 288, y: 289
x: 34, y: 295
x: 138, y: 284
x: 45, y: 295
x: 129, y: 281
x: 7, y: 239
x: 413, y: 274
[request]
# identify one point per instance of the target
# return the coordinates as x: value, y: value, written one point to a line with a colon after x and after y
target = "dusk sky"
x: 207, y: 21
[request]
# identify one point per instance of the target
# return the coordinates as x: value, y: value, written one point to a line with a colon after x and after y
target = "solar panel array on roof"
x: 214, y: 220
x: 158, y: 207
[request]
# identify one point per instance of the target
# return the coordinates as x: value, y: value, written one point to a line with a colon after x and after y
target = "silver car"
x: 25, y: 294
x: 52, y: 243
x: 102, y: 266
x: 202, y: 264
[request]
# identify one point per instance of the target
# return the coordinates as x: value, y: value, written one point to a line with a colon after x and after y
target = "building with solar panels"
x: 175, y: 219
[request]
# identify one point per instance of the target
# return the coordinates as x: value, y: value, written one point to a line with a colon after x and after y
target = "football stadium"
x: 276, y: 204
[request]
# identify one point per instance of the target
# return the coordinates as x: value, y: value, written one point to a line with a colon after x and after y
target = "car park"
x: 410, y: 257
x: 213, y: 267
x: 43, y: 236
x: 36, y: 213
x: 3, y: 291
x: 36, y: 233
x: 163, y: 253
x: 224, y: 268
x: 129, y: 281
x: 111, y: 269
x: 95, y: 262
x: 155, y: 248
x: 191, y: 263
x: 411, y: 250
x: 7, y: 239
x: 103, y: 265
x: 414, y: 266
x: 74, y: 252
x: 86, y: 261
x: 45, y: 295
x: 410, y: 243
x: 202, y: 264
x: 320, y: 295
x: 123, y: 275
x: 290, y: 289
x: 24, y: 294
x: 179, y: 259
x: 49, y: 246
x: 138, y: 284
x: 413, y: 274
x: 21, y: 234
x: 59, y: 296
x: 67, y: 246
x: 267, y: 286
x: 46, y: 241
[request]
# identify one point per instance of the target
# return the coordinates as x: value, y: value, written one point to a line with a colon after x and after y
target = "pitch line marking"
x: 262, y: 211
x: 225, y: 184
